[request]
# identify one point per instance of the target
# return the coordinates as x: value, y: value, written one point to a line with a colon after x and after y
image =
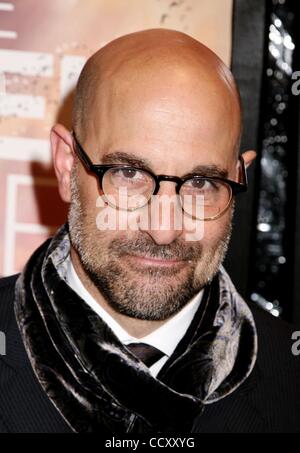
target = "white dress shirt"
x: 165, y: 338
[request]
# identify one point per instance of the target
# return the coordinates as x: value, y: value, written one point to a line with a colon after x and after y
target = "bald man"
x: 126, y: 321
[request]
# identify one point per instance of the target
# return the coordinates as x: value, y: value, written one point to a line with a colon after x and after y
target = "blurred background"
x: 43, y: 46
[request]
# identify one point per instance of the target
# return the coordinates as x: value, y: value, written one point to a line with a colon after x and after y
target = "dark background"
x: 264, y: 257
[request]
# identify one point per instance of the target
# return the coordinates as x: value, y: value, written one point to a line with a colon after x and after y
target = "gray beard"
x: 154, y: 294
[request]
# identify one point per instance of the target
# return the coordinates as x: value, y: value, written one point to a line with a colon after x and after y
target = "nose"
x: 164, y: 215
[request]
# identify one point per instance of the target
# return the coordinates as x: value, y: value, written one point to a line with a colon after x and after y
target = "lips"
x: 159, y: 262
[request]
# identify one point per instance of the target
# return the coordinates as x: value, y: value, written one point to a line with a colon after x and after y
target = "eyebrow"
x: 210, y: 170
x: 120, y: 157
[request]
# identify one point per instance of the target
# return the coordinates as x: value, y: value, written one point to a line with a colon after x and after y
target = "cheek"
x: 216, y: 230
x: 108, y: 223
x: 89, y: 194
x: 211, y: 232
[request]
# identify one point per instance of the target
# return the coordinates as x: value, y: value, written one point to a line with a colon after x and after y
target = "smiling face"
x: 173, y: 106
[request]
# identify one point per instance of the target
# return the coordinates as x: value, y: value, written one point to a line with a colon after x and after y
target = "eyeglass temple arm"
x: 243, y: 172
x: 81, y: 153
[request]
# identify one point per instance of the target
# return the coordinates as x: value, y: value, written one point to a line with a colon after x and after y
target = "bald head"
x: 148, y: 63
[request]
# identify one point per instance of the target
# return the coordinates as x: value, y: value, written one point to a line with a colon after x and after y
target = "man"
x: 139, y: 329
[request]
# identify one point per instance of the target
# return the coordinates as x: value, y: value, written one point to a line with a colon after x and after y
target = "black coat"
x: 268, y: 401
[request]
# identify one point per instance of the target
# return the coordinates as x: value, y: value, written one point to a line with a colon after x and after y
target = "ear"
x: 249, y: 157
x: 63, y: 157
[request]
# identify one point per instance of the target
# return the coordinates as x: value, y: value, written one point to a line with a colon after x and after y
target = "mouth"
x: 147, y: 261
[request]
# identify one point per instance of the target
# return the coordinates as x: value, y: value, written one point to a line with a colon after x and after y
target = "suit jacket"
x: 268, y: 401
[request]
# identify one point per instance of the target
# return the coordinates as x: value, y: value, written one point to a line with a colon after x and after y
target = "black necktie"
x: 146, y: 353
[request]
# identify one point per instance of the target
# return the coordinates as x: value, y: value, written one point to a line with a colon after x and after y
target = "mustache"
x: 179, y: 249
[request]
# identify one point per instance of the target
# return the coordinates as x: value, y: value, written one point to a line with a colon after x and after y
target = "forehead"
x: 174, y: 116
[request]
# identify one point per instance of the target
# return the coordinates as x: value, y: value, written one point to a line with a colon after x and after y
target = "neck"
x: 136, y: 327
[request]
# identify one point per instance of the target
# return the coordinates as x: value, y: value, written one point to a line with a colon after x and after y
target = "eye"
x: 197, y: 183
x: 131, y: 178
x: 200, y: 185
x: 128, y: 173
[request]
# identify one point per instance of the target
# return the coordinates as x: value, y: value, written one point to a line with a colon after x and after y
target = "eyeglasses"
x: 133, y: 186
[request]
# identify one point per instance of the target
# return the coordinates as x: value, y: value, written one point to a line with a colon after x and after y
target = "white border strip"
x: 11, y: 226
x: 25, y: 149
x: 22, y: 106
x: 5, y: 6
x: 27, y: 63
x: 8, y: 34
x: 9, y: 234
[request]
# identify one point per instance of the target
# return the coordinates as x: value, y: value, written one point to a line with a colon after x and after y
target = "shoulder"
x: 7, y: 291
x: 277, y: 371
x: 269, y: 400
x: 24, y: 406
x: 273, y: 332
x: 6, y: 282
x: 276, y: 339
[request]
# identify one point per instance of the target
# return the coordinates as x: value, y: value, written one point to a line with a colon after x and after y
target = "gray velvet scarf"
x: 97, y: 384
